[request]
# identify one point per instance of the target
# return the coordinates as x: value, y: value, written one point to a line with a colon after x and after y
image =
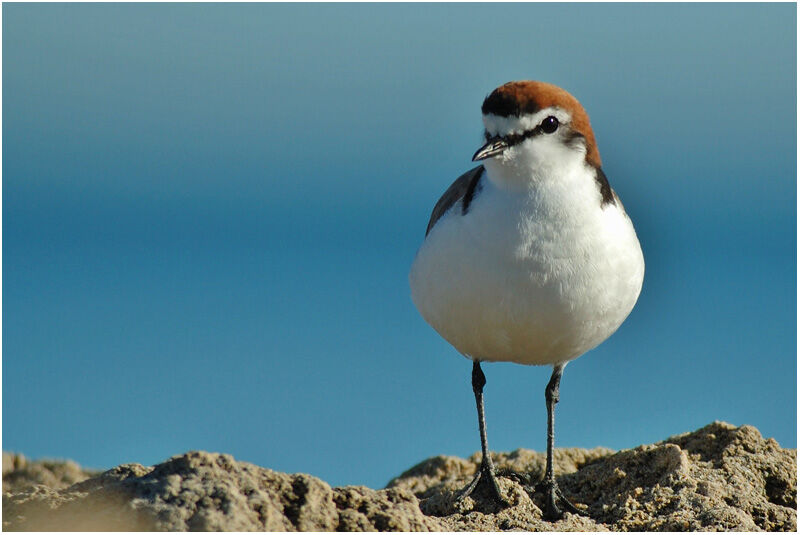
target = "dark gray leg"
x: 485, y: 473
x: 553, y: 496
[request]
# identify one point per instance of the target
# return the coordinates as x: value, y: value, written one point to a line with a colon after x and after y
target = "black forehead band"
x: 505, y: 105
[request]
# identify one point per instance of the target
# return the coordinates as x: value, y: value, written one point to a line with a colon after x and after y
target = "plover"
x: 529, y: 257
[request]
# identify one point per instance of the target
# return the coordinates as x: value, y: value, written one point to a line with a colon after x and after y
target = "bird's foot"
x: 484, y: 478
x: 553, y: 496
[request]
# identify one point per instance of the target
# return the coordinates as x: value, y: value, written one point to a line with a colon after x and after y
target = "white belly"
x: 533, y: 279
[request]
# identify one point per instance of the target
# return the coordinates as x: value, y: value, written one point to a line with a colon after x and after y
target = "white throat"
x: 534, y: 163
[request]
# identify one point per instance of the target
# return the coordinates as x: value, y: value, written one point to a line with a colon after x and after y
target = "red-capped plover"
x: 529, y: 257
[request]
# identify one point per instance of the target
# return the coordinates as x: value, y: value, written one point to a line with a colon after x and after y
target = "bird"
x: 530, y: 257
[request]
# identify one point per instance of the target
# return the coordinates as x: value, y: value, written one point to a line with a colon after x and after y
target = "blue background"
x: 209, y: 213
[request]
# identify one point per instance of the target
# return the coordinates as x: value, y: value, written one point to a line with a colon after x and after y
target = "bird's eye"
x: 549, y: 125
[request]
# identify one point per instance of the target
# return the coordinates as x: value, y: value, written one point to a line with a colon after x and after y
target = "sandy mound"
x: 719, y: 477
x: 20, y: 473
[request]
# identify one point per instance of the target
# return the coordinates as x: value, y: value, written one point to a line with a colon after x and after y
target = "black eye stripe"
x: 543, y: 128
x: 515, y: 139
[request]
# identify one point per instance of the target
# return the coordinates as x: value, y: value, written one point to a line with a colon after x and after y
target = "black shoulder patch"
x: 472, y: 188
x: 464, y: 188
x: 605, y: 187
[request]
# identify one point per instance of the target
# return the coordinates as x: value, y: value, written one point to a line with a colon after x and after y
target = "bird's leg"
x: 486, y: 472
x: 553, y: 496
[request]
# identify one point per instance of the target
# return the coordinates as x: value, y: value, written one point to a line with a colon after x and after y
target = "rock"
x: 719, y: 477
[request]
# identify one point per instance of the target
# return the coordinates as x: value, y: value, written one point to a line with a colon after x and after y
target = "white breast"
x: 538, y: 275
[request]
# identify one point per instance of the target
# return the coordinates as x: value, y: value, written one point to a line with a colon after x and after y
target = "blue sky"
x: 209, y: 212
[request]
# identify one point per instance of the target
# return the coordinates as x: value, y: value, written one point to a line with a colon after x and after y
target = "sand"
x: 720, y: 477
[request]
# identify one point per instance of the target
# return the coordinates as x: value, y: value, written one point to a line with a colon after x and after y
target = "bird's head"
x: 535, y: 126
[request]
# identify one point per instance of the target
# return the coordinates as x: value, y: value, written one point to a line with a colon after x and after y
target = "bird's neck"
x: 530, y: 174
x: 567, y: 192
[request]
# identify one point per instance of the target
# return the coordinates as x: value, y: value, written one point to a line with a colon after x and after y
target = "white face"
x: 539, y: 153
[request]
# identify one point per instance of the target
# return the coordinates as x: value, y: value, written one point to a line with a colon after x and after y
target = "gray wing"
x: 463, y: 188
